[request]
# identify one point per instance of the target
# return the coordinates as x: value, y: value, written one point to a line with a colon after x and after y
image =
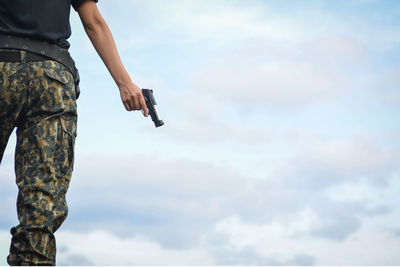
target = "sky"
x: 280, y: 144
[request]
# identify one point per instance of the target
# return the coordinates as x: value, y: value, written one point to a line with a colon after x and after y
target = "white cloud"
x: 354, y: 191
x: 274, y: 240
x: 388, y: 84
x: 276, y: 75
x: 354, y: 157
x: 103, y: 248
x: 5, y: 239
x: 178, y: 192
x: 221, y: 23
x: 217, y: 21
x: 279, y: 83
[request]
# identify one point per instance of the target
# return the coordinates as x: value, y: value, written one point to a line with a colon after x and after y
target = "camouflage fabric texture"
x: 38, y: 98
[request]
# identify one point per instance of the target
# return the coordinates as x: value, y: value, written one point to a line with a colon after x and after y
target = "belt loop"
x: 23, y: 56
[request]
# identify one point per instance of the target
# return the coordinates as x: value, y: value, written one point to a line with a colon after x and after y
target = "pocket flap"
x: 58, y: 75
x: 69, y: 125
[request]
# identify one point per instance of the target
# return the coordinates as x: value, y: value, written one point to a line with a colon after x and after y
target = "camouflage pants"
x: 38, y: 98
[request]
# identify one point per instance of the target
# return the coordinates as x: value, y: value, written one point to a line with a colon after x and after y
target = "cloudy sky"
x: 280, y: 145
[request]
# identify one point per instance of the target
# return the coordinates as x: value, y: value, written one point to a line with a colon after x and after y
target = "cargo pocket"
x: 61, y: 89
x: 68, y: 125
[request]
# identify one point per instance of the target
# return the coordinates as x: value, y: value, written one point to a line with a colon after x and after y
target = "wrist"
x: 123, y: 82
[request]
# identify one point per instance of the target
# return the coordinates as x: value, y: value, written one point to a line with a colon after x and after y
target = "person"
x: 38, y: 92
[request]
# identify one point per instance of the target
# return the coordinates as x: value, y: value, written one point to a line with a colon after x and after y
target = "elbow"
x: 95, y: 26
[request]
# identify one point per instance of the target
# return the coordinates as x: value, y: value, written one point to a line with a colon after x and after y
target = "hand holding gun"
x: 152, y: 106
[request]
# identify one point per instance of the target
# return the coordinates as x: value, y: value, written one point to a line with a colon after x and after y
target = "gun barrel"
x: 152, y: 106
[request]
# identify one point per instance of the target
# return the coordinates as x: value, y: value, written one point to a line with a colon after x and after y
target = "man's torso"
x: 46, y: 20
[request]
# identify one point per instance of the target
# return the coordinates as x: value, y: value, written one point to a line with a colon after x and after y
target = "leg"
x: 12, y: 96
x: 6, y: 128
x: 44, y: 168
x: 43, y: 165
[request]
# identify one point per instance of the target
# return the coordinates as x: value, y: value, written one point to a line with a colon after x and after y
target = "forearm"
x: 103, y: 41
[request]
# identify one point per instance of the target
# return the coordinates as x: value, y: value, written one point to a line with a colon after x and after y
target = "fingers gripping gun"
x: 152, y: 106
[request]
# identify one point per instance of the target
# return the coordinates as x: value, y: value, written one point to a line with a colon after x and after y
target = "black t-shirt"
x: 46, y: 20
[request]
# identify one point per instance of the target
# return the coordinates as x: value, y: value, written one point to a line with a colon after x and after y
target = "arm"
x: 102, y: 40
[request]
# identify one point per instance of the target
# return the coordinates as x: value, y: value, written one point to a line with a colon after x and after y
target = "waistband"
x: 20, y: 56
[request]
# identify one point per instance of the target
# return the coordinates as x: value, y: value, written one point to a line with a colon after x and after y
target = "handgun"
x: 152, y: 107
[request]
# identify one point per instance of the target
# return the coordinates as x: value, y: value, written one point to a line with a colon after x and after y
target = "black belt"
x: 16, y: 56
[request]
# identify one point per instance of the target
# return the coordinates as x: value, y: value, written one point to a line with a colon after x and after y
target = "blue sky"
x: 280, y: 144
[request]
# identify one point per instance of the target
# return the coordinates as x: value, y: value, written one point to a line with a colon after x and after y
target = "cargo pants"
x: 38, y: 98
